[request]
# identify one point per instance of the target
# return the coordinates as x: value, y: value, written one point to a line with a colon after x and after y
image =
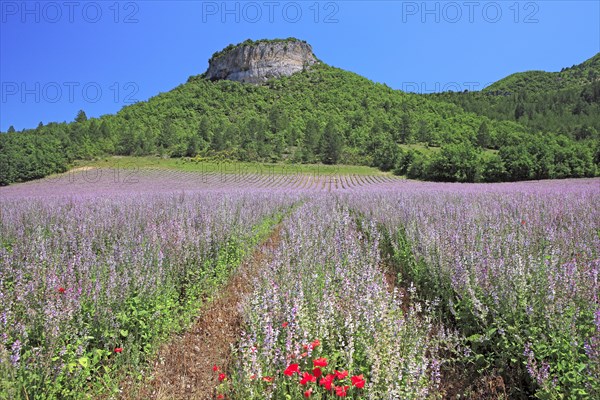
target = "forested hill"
x: 321, y: 114
x: 562, y: 103
x: 576, y: 76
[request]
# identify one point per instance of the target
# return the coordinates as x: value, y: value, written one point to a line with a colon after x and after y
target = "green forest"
x: 528, y: 126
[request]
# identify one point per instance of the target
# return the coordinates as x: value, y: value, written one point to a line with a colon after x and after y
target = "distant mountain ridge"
x: 537, y: 81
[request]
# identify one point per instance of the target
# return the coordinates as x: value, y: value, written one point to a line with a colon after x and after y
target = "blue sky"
x: 59, y: 57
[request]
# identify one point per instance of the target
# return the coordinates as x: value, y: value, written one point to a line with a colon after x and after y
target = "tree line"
x: 323, y: 114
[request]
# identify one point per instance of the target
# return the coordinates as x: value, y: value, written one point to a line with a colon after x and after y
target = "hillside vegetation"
x: 322, y: 114
x: 565, y: 103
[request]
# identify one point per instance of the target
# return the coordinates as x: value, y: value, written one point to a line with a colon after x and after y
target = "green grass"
x: 228, y: 167
x: 423, y: 148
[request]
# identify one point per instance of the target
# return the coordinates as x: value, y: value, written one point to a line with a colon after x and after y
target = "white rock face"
x: 260, y: 62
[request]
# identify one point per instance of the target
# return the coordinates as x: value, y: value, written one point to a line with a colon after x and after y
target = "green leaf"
x: 84, y: 362
x: 124, y: 332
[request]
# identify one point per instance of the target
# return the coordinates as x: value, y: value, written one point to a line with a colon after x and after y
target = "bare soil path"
x: 183, y: 367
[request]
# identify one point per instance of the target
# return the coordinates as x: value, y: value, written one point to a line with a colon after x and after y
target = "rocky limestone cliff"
x: 257, y: 62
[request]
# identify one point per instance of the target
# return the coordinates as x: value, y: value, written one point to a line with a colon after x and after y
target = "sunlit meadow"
x: 374, y: 288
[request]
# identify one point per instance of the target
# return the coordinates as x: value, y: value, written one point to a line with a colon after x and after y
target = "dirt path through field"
x: 183, y: 368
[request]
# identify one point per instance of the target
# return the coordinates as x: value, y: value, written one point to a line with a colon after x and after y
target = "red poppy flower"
x: 342, y: 391
x: 317, y: 372
x: 315, y: 343
x: 61, y: 290
x: 320, y: 362
x: 220, y: 396
x: 358, y: 381
x: 307, y: 377
x: 341, y: 374
x: 215, y: 368
x: 253, y: 376
x: 268, y: 379
x: 523, y: 222
x: 292, y: 369
x: 284, y: 325
x: 222, y: 377
x: 308, y: 392
x: 118, y: 349
x: 327, y: 381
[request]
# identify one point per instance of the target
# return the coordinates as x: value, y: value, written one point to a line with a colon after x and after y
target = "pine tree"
x: 81, y: 117
x: 331, y: 144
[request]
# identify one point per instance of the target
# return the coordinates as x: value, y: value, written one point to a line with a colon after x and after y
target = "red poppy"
x: 342, y: 391
x: 220, y: 396
x: 253, y: 376
x: 292, y: 369
x: 523, y: 222
x: 320, y: 362
x: 327, y: 381
x: 284, y: 325
x: 317, y: 372
x: 268, y: 379
x: 118, y: 349
x: 215, y: 368
x: 307, y: 377
x: 222, y: 377
x: 308, y: 392
x: 61, y: 290
x: 341, y: 374
x: 358, y: 381
x: 315, y: 343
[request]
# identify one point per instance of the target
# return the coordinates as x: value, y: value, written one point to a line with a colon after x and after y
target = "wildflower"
x: 284, y: 325
x: 267, y: 379
x: 222, y: 377
x: 317, y: 372
x: 16, y: 353
x: 307, y: 377
x: 291, y: 369
x: 358, y: 381
x: 308, y: 392
x: 341, y: 374
x: 118, y: 349
x: 61, y: 290
x: 220, y: 396
x: 215, y: 368
x: 342, y: 391
x: 327, y: 381
x: 305, y: 354
x: 320, y: 362
x: 315, y: 343
x: 253, y: 376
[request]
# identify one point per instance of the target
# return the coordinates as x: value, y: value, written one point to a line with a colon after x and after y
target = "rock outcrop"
x: 257, y: 62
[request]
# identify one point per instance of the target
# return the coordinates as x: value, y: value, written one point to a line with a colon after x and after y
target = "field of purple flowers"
x: 89, y: 283
x: 515, y: 267
x: 376, y: 289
